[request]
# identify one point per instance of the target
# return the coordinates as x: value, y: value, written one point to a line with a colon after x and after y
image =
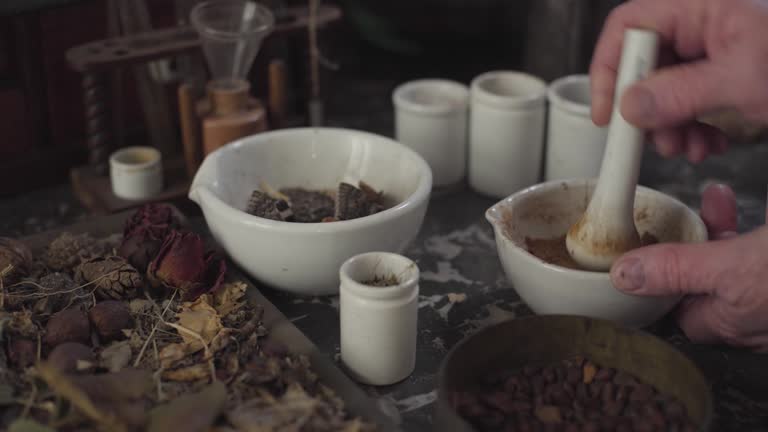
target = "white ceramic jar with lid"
x: 506, y: 139
x: 379, y: 321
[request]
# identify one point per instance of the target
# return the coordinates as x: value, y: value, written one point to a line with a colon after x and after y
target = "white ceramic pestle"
x: 607, y: 228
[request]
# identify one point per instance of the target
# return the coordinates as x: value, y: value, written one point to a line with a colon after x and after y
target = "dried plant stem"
x: 48, y: 294
x: 30, y: 400
x: 154, y: 328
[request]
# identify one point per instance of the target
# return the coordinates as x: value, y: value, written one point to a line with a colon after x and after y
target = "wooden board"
x: 280, y: 328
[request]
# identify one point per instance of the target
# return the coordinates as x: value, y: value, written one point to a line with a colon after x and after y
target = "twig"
x: 154, y: 328
x: 30, y: 400
x: 37, y: 294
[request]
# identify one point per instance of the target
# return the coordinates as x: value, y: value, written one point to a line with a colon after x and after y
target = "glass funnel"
x: 231, y: 32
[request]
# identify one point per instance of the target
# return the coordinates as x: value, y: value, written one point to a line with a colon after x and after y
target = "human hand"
x: 714, y: 55
x: 725, y: 280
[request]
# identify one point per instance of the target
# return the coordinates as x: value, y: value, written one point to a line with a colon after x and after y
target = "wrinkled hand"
x: 714, y: 56
x: 725, y: 280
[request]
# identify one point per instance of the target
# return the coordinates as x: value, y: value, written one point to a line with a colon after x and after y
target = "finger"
x: 678, y: 30
x: 677, y: 269
x: 669, y: 142
x: 698, y: 320
x: 718, y: 210
x: 675, y: 95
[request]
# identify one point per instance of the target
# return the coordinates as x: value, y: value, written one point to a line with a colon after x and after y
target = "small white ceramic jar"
x: 379, y: 323
x: 431, y: 118
x: 575, y: 145
x: 506, y: 138
x: 136, y: 172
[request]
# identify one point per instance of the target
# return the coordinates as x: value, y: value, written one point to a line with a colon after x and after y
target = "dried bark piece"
x: 309, y: 206
x: 112, y: 276
x: 262, y: 205
x: 68, y: 250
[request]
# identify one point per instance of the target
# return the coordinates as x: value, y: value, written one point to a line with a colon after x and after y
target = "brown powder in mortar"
x: 554, y: 251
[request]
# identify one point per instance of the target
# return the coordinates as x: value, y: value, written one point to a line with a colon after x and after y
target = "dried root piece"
x: 67, y: 251
x: 262, y: 205
x: 113, y: 277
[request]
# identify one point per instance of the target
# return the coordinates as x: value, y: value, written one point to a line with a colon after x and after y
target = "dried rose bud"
x: 15, y: 259
x: 65, y: 356
x: 109, y: 318
x: 183, y: 264
x: 22, y: 352
x: 144, y: 234
x: 69, y: 325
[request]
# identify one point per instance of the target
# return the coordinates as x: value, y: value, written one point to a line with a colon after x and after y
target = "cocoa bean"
x: 604, y: 374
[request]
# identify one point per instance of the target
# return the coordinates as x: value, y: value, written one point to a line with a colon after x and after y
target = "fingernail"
x: 639, y: 106
x: 628, y: 275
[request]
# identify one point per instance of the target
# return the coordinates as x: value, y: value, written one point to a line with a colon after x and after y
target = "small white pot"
x: 575, y: 145
x: 506, y: 138
x: 136, y: 172
x: 379, y: 324
x: 431, y: 118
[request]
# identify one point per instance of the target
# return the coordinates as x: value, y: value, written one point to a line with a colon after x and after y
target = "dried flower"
x: 15, y: 259
x: 144, y: 233
x: 68, y: 250
x: 112, y: 276
x: 183, y: 264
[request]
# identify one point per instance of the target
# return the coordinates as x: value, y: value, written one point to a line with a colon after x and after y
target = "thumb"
x: 674, y: 95
x: 678, y: 269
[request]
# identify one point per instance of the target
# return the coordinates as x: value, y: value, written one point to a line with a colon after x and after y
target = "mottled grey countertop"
x: 456, y: 255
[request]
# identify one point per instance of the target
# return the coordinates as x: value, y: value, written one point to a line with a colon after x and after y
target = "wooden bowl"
x: 544, y: 339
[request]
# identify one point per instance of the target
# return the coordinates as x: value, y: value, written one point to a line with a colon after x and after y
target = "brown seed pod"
x: 15, y: 260
x: 67, y: 251
x: 112, y: 277
x: 109, y: 318
x: 22, y: 352
x: 65, y: 356
x: 69, y: 325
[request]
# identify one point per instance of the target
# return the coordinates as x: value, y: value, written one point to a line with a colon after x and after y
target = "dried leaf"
x: 172, y: 353
x: 116, y: 356
x: 112, y: 277
x: 200, y: 318
x: 190, y: 413
x: 291, y: 412
x: 229, y: 298
x: 28, y: 425
x: 190, y: 373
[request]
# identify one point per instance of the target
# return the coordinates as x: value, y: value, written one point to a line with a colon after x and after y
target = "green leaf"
x: 28, y: 425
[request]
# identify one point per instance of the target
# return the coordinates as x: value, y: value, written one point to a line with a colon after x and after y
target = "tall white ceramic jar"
x: 431, y: 118
x: 506, y: 138
x: 575, y: 145
x: 379, y: 323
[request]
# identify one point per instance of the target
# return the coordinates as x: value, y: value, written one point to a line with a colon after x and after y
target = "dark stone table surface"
x: 463, y: 287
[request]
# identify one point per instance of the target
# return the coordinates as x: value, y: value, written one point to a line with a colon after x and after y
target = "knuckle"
x: 670, y: 271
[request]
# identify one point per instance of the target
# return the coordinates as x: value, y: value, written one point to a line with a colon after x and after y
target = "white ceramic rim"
x: 454, y: 89
x: 495, y: 213
x: 556, y: 97
x: 420, y: 195
x: 114, y: 158
x: 379, y: 293
x: 536, y: 97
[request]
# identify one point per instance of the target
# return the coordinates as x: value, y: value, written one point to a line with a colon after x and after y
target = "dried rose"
x: 183, y: 264
x: 144, y: 233
x: 15, y: 259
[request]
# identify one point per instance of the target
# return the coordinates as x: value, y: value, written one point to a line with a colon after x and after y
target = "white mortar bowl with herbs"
x: 547, y: 211
x: 304, y: 258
